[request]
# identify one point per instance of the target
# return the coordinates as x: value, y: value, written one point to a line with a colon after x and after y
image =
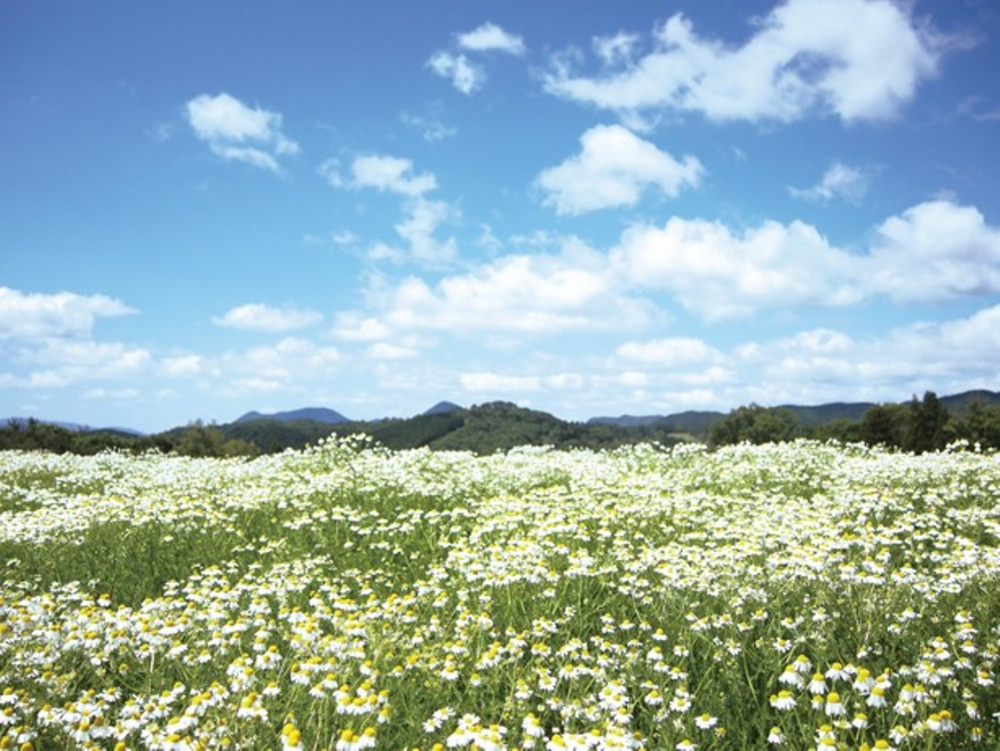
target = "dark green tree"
x: 981, y: 424
x: 199, y: 439
x: 754, y: 424
x: 927, y: 428
x: 883, y: 425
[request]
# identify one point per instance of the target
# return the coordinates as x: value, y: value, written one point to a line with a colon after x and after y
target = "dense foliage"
x: 917, y: 426
x: 351, y: 597
x: 495, y: 426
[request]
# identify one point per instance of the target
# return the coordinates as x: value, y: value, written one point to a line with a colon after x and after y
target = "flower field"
x: 347, y: 597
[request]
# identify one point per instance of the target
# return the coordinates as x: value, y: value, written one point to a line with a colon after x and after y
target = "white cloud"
x: 537, y: 294
x: 935, y: 251
x: 464, y: 75
x: 111, y: 394
x: 965, y: 345
x: 257, y: 385
x: 720, y: 274
x: 633, y: 379
x: 290, y: 360
x: 182, y: 365
x: 237, y: 132
x: 932, y: 252
x: 839, y: 181
x: 104, y: 358
x: 856, y: 59
x: 386, y: 351
x: 35, y: 315
x: 612, y: 169
x: 58, y: 363
x: 822, y: 365
x: 421, y: 220
x: 344, y: 238
x: 257, y: 317
x: 490, y: 37
x: 616, y: 49
x: 391, y: 174
x: 497, y: 383
x: 353, y: 326
x: 672, y: 352
x: 421, y: 216
x: 432, y: 129
x: 248, y: 154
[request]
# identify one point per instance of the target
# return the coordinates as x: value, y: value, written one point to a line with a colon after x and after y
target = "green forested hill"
x: 485, y: 428
x: 497, y: 426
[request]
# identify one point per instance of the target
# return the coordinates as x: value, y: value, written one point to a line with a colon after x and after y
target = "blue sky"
x: 643, y: 207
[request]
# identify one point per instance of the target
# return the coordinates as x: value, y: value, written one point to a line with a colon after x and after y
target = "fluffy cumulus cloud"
x: 936, y: 251
x: 392, y: 174
x: 490, y: 37
x: 931, y: 252
x: 857, y: 59
x: 464, y: 74
x: 237, y: 132
x: 613, y: 168
x: 517, y: 294
x: 57, y: 363
x: 258, y: 317
x: 821, y: 364
x: 712, y: 270
x: 34, y: 315
x: 840, y: 181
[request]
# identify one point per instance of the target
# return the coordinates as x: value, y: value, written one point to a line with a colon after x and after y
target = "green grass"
x: 638, y: 598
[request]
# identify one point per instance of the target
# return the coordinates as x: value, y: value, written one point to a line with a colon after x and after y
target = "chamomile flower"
x: 834, y: 706
x: 783, y: 700
x: 817, y: 685
x: 706, y: 721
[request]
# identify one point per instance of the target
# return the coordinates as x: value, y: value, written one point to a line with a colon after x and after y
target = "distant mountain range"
x: 315, y: 414
x: 72, y: 426
x: 448, y: 425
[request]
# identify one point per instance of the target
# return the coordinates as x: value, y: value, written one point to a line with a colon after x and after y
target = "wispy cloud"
x: 386, y: 173
x: 432, y: 129
x: 258, y: 317
x: 237, y: 132
x: 466, y: 75
x: 840, y: 181
x: 422, y: 216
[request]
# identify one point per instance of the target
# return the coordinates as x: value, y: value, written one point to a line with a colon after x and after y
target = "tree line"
x: 918, y: 426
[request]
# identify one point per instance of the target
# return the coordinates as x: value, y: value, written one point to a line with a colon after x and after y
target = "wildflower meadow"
x: 346, y: 597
